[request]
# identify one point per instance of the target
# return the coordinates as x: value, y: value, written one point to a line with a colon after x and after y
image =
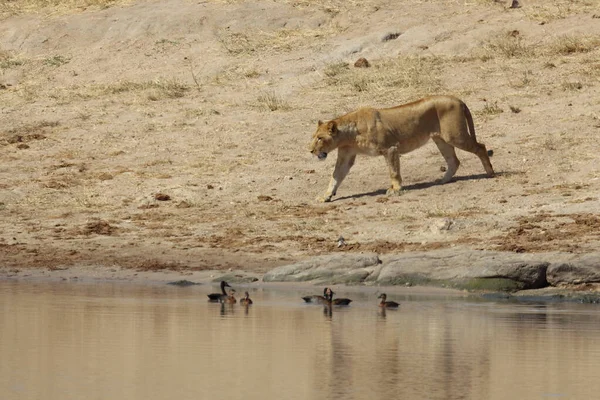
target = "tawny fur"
x: 390, y: 132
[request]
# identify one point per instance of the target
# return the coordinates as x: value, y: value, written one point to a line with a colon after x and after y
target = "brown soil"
x: 173, y: 134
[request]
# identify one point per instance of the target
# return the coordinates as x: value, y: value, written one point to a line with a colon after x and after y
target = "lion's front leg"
x: 392, y: 157
x: 343, y: 164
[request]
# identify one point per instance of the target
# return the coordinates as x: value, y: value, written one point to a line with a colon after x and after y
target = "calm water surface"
x: 120, y: 341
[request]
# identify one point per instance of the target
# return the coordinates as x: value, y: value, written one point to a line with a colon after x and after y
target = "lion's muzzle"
x: 322, y: 155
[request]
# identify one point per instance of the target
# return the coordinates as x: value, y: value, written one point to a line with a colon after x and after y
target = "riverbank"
x: 549, y: 277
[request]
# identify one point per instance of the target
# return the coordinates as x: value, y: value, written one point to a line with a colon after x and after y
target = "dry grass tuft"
x: 8, y: 60
x: 163, y: 88
x: 18, y: 7
x: 57, y: 60
x: 490, y: 108
x: 272, y: 102
x: 506, y: 45
x: 569, y: 44
x: 509, y: 45
x: 154, y: 90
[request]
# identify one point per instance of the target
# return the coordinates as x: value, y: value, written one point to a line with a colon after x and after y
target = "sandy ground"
x: 172, y: 135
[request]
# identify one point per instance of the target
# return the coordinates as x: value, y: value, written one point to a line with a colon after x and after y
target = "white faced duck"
x: 229, y: 299
x: 216, y: 297
x: 246, y: 300
x: 387, y: 304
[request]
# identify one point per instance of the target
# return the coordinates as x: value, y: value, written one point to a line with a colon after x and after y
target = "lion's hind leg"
x: 480, y: 151
x: 449, y: 154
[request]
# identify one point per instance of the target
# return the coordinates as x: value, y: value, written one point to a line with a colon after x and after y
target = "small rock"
x: 341, y: 242
x: 182, y: 283
x: 444, y: 224
x: 262, y: 197
x: 162, y: 197
x: 362, y: 63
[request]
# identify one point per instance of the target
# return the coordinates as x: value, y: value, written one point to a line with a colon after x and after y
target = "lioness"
x: 398, y: 130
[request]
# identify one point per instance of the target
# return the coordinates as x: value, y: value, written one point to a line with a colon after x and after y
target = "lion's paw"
x: 325, y: 199
x: 393, y: 192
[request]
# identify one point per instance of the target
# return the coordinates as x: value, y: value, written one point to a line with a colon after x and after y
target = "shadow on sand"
x: 419, y: 186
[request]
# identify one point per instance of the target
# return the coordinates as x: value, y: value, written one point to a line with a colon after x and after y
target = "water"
x: 120, y: 341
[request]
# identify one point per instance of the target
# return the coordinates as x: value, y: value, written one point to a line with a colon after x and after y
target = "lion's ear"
x: 332, y: 127
x: 319, y: 123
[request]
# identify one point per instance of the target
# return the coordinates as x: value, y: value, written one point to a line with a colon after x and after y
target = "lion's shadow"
x: 417, y: 186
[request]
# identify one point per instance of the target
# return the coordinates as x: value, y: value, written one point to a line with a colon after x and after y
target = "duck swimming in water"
x: 246, y: 301
x: 336, y: 302
x: 318, y: 299
x: 229, y: 299
x: 216, y: 297
x: 387, y: 304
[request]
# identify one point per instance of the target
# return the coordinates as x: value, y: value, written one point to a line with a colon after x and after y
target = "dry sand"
x: 172, y: 135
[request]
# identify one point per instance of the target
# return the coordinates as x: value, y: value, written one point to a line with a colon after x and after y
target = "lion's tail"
x: 469, y: 118
x: 471, y: 125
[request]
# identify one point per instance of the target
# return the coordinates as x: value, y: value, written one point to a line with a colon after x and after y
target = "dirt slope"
x: 173, y: 134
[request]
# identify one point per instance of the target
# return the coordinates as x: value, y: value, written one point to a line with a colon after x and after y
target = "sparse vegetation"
x: 171, y: 88
x: 547, y: 11
x: 283, y: 40
x: 491, y: 108
x: 272, y: 102
x: 572, y: 85
x: 57, y: 60
x: 515, y: 109
x: 506, y: 45
x: 9, y: 7
x: 412, y: 74
x: 570, y: 44
x: 7, y: 60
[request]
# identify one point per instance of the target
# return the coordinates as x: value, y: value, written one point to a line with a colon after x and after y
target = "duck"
x: 336, y: 302
x: 318, y: 298
x: 229, y: 298
x: 216, y: 297
x: 246, y: 301
x: 387, y: 304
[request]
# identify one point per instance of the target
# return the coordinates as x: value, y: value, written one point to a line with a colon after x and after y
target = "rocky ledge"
x: 453, y: 268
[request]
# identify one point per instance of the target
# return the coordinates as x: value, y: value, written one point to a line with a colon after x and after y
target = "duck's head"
x: 328, y: 293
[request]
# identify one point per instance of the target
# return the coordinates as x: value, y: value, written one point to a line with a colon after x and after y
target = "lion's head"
x: 324, y: 139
